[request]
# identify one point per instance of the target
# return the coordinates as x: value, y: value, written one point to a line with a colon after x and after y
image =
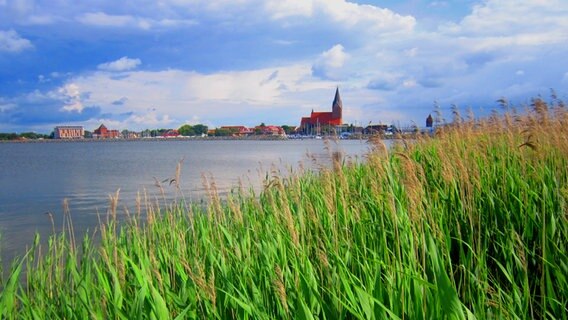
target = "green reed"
x: 471, y: 223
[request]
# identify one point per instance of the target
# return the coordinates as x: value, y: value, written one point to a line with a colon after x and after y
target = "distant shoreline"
x: 86, y: 140
x: 249, y: 138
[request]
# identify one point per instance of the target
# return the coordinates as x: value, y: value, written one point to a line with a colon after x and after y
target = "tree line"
x: 23, y: 136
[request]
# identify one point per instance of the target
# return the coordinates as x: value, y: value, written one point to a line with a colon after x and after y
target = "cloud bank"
x: 10, y: 41
x: 251, y: 61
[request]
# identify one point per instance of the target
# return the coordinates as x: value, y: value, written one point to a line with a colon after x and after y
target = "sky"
x: 164, y: 63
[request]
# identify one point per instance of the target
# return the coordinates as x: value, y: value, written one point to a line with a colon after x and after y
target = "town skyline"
x: 169, y: 63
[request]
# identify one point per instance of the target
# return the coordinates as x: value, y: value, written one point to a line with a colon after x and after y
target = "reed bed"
x: 470, y: 223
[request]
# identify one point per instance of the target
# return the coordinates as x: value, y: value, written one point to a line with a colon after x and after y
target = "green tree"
x: 157, y: 132
x: 187, y: 130
x: 260, y: 128
x: 8, y: 136
x: 200, y: 129
x: 222, y: 132
x: 32, y: 135
x: 288, y: 129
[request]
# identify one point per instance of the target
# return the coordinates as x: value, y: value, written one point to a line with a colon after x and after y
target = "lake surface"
x: 35, y: 178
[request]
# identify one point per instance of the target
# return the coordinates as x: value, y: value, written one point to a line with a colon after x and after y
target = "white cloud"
x: 176, y: 86
x: 150, y: 119
x: 409, y: 83
x: 72, y: 97
x: 10, y: 41
x: 330, y: 62
x: 286, y: 8
x: 174, y: 22
x: 6, y: 107
x: 505, y: 23
x: 481, y: 53
x: 122, y: 64
x: 337, y: 14
x: 172, y: 97
x: 101, y: 19
x: 368, y: 17
x: 39, y: 20
x: 342, y: 13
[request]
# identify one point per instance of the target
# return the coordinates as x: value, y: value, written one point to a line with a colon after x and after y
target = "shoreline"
x: 250, y: 138
x: 87, y: 140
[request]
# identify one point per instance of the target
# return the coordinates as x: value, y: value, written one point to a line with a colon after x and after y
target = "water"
x: 35, y: 178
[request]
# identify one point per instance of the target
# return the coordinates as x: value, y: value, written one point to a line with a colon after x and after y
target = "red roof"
x: 270, y: 129
x: 322, y: 119
x: 171, y: 133
x: 100, y: 130
x: 238, y: 129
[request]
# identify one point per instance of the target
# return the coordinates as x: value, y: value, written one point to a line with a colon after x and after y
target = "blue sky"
x: 160, y: 64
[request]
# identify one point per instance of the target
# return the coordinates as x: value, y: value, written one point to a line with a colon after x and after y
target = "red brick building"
x: 103, y: 133
x: 321, y: 119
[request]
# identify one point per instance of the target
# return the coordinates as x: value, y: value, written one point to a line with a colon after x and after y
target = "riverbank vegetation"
x: 470, y: 223
x: 23, y: 136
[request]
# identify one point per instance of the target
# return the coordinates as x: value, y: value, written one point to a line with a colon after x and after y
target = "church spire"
x: 337, y: 99
x: 337, y: 106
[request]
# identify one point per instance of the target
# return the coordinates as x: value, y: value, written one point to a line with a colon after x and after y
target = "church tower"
x: 337, y: 106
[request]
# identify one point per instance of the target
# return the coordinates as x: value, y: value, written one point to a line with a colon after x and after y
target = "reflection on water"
x: 35, y: 178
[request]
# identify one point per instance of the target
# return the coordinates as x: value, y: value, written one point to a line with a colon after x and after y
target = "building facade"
x: 103, y: 133
x: 68, y: 132
x: 318, y: 120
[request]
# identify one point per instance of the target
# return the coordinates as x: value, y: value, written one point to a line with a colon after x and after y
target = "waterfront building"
x: 171, y: 133
x: 126, y: 134
x: 68, y: 132
x: 103, y: 133
x: 317, y: 120
x: 270, y: 130
x: 238, y: 131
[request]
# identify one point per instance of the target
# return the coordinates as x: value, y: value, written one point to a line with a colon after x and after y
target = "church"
x: 317, y: 120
